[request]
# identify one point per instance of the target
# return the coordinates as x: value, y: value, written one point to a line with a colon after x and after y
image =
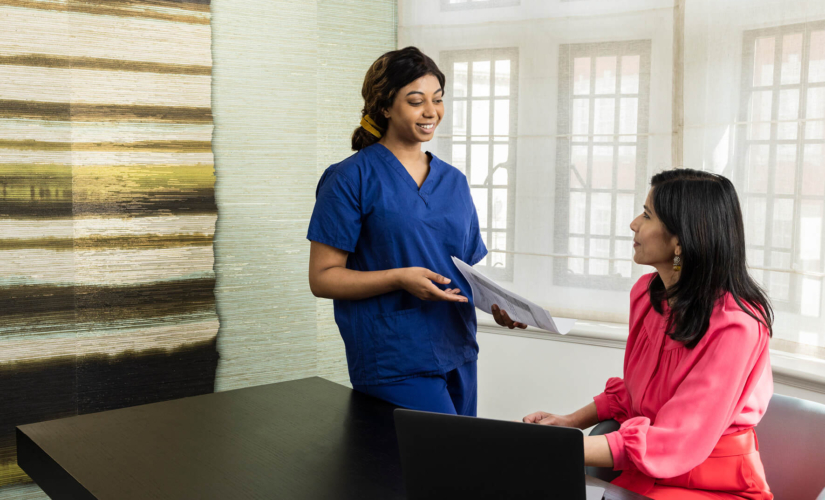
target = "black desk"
x: 305, y: 439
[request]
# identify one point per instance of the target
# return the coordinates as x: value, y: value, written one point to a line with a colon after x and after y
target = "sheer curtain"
x: 559, y: 112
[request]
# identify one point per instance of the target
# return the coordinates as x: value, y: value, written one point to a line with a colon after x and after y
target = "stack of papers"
x: 487, y: 292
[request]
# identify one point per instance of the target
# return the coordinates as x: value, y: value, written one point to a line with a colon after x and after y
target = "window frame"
x: 793, y: 303
x: 446, y: 6
x: 564, y: 143
x: 445, y: 144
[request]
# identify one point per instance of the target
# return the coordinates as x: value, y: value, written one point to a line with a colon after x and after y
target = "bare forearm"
x: 585, y: 417
x: 597, y: 452
x: 341, y: 283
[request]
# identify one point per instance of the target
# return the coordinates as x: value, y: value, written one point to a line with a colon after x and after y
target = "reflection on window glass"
x: 763, y: 62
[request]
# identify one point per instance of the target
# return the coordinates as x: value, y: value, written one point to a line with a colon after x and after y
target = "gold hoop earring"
x: 677, y: 263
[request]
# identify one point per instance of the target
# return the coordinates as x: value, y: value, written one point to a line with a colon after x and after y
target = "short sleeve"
x: 475, y: 250
x: 336, y: 218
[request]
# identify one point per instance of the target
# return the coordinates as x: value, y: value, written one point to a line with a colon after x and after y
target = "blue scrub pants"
x: 454, y: 393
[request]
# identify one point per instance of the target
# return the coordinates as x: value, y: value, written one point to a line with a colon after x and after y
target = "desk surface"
x: 304, y: 439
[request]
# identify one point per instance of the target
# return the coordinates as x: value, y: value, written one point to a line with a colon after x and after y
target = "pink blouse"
x: 674, y: 403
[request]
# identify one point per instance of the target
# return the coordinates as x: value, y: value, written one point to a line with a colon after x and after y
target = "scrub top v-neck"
x: 370, y: 206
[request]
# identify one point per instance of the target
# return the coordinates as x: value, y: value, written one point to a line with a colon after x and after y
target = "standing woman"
x: 697, y: 372
x: 387, y: 221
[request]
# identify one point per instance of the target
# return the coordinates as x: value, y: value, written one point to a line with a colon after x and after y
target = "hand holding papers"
x: 486, y: 293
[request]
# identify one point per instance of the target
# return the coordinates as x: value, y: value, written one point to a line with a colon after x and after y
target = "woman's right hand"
x: 544, y: 418
x: 419, y: 282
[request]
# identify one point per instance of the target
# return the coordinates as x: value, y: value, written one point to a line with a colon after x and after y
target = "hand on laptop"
x: 544, y: 418
x: 503, y: 319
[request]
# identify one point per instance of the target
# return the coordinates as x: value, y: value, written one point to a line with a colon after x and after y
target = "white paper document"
x: 594, y: 492
x: 486, y: 293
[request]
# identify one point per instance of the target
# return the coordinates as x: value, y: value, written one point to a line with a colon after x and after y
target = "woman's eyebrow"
x: 422, y: 93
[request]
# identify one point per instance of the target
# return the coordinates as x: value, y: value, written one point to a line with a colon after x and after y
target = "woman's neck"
x: 668, y: 275
x: 408, y: 153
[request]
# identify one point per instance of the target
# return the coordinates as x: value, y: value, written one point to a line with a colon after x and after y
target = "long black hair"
x: 702, y: 210
x: 388, y: 74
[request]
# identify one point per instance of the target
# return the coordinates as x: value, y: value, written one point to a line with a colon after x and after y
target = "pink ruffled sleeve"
x: 726, y: 370
x: 614, y: 402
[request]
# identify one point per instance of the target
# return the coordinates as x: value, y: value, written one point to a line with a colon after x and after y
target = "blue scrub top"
x: 370, y: 206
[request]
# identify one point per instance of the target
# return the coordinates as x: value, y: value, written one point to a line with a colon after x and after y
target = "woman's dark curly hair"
x: 387, y: 75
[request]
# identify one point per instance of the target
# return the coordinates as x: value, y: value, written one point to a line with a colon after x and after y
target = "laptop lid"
x: 449, y: 457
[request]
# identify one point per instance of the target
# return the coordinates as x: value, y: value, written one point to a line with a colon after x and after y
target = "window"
x: 476, y: 4
x: 601, y: 160
x: 480, y: 128
x: 781, y: 162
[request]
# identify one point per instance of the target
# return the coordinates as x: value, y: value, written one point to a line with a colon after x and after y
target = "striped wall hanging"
x: 107, y: 208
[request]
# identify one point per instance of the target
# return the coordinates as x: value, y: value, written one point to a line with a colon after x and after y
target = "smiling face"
x: 653, y: 245
x: 417, y: 110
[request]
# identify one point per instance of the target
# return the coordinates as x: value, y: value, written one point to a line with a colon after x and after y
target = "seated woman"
x: 697, y: 375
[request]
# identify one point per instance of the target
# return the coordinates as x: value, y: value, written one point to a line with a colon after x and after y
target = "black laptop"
x: 453, y: 457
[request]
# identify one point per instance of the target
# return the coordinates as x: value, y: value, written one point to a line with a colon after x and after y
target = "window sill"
x: 795, y: 370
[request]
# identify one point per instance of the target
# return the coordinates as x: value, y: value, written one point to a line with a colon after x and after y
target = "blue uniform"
x: 370, y: 206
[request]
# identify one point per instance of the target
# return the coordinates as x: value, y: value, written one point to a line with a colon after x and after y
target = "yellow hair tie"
x: 370, y: 126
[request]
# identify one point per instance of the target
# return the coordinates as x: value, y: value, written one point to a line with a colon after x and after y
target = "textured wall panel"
x: 107, y: 211
x: 287, y: 96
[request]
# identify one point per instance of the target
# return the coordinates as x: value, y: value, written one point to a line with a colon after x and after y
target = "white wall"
x: 517, y: 376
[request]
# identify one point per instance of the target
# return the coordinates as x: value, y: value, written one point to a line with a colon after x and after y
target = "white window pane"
x: 813, y: 170
x: 578, y: 167
x: 599, y: 248
x: 481, y: 118
x: 815, y: 129
x: 460, y: 79
x: 575, y: 246
x: 755, y: 221
x: 604, y: 118
x: 788, y: 110
x: 501, y: 118
x: 630, y: 74
x: 481, y: 78
x: 763, y: 62
x: 623, y: 250
x: 503, y: 77
x: 784, y: 181
x: 758, y: 158
x: 756, y: 258
x: 810, y: 235
x: 500, y: 241
x: 606, y: 75
x: 629, y: 117
x: 780, y: 282
x: 581, y: 76
x: 499, y: 259
x: 460, y: 157
x: 626, y: 176
x: 624, y: 213
x: 791, y: 58
x: 816, y: 57
x: 480, y: 201
x: 581, y: 116
x: 500, y: 208
x: 600, y: 210
x: 760, y: 113
x: 479, y: 163
x: 602, y: 167
x: 460, y: 118
x: 578, y: 207
x: 811, y: 298
x: 782, y: 223
x: 500, y: 156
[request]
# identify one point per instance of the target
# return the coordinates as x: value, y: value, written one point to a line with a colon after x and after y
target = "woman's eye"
x: 439, y: 101
x: 645, y: 216
x: 416, y: 103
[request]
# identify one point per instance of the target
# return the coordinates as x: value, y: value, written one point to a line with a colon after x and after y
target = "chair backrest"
x: 792, y: 446
x: 791, y: 443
